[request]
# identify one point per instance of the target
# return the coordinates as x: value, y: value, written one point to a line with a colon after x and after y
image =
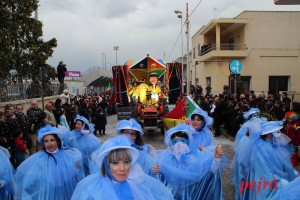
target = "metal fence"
x: 20, y: 91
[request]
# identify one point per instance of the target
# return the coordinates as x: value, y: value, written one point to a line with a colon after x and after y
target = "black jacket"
x: 61, y: 69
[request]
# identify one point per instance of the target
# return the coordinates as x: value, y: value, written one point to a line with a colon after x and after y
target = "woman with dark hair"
x: 119, y: 176
x: 200, y: 127
x: 133, y: 130
x: 83, y: 138
x: 51, y: 173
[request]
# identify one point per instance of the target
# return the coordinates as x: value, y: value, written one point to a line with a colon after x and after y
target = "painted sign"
x: 72, y: 73
x: 235, y: 66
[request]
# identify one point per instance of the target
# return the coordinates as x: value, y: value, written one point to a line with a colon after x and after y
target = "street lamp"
x: 179, y: 15
x: 116, y: 48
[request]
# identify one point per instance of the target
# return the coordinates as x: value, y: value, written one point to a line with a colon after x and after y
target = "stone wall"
x: 27, y: 102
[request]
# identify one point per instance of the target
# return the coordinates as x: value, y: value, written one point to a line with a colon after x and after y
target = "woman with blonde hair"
x: 119, y: 176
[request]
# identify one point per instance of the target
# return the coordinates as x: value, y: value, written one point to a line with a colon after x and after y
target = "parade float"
x: 133, y: 80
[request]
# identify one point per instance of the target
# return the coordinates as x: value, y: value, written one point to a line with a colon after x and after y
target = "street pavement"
x: 156, y: 140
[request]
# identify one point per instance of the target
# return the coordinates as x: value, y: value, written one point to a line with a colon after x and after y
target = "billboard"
x: 72, y: 74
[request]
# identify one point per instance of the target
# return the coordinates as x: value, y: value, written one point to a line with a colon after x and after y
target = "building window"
x: 277, y: 84
x: 208, y: 81
x: 199, y: 50
x: 194, y: 53
x: 242, y: 84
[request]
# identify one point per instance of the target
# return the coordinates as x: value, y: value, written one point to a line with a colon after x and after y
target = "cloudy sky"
x: 87, y: 30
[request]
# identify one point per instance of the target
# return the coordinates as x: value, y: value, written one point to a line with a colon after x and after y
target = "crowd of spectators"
x: 18, y: 127
x: 227, y: 109
x: 205, y: 48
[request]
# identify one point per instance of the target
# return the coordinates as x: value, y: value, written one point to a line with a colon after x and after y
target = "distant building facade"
x: 266, y: 42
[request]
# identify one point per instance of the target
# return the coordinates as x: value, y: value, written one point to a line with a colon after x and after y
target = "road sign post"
x: 235, y: 85
x: 235, y: 67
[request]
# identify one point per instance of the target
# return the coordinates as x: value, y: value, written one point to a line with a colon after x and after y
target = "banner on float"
x: 72, y: 73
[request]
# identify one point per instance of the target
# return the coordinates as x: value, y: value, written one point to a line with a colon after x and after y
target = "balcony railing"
x: 209, y: 47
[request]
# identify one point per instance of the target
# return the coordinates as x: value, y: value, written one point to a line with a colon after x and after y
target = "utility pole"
x: 187, y: 50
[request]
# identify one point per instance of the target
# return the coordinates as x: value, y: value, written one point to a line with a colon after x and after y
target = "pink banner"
x: 72, y: 73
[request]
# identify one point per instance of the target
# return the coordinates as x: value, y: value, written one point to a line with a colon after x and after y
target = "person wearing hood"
x: 251, y: 116
x: 147, y: 152
x: 189, y: 173
x: 241, y: 162
x: 269, y: 167
x: 83, y: 138
x: 52, y: 172
x: 120, y: 176
x: 200, y: 127
x: 6, y: 175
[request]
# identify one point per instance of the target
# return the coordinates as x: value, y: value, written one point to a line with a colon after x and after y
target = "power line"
x: 182, y: 29
x: 195, y: 8
x: 176, y: 42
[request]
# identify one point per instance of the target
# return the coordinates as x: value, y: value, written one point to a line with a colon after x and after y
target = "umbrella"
x: 129, y: 63
x: 146, y: 66
x: 157, y: 67
x: 161, y: 61
x: 139, y: 70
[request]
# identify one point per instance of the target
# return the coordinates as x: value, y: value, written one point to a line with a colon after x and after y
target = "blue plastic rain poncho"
x: 49, y: 175
x: 252, y: 116
x: 137, y: 186
x: 85, y: 141
x: 291, y: 191
x: 147, y: 153
x: 203, y: 136
x: 6, y: 175
x: 270, y: 163
x: 189, y: 173
x: 241, y: 161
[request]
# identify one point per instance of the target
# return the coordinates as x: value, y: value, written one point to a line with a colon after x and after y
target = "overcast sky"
x: 87, y: 29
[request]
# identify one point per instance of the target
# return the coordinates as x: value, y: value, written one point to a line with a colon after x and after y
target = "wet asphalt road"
x: 156, y: 140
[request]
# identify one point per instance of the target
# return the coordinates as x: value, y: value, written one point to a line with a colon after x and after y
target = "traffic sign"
x: 235, y: 66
